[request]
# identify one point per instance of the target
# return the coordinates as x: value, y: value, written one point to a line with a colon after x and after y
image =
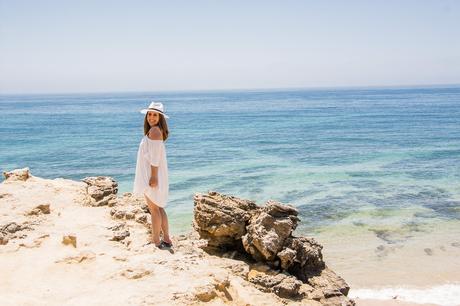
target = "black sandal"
x: 166, y: 244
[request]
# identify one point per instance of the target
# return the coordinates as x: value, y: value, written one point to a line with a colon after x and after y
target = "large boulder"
x: 294, y: 265
x: 221, y: 219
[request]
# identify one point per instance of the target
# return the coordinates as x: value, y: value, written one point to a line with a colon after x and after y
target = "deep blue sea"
x: 356, y: 156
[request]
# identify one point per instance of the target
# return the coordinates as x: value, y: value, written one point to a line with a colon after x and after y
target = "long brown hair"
x: 161, y: 124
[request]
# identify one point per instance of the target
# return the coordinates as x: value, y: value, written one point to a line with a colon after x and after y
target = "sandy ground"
x: 360, y: 302
x: 39, y: 269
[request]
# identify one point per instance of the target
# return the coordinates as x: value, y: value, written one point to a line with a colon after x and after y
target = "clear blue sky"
x: 100, y: 46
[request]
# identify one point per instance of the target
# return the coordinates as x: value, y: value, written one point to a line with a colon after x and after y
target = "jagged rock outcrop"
x: 17, y: 174
x: 295, y: 266
x: 268, y: 229
x: 222, y: 219
x: 130, y: 208
x: 102, y: 190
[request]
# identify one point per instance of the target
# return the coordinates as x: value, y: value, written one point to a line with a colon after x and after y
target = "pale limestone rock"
x: 102, y: 190
x: 40, y: 209
x: 121, y: 235
x: 70, y: 239
x: 17, y: 174
x: 11, y: 228
x: 135, y: 273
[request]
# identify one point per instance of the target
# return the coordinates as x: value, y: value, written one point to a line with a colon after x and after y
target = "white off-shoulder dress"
x: 151, y: 152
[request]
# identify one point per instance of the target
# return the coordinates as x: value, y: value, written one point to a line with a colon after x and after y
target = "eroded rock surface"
x: 294, y: 265
x: 102, y: 190
x: 222, y: 219
x: 17, y: 174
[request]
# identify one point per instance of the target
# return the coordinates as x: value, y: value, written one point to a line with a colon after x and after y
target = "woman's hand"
x: 153, y: 182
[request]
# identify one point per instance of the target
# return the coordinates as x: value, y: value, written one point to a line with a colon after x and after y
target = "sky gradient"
x: 116, y: 46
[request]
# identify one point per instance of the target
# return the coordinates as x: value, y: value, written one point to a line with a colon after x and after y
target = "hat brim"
x: 145, y: 111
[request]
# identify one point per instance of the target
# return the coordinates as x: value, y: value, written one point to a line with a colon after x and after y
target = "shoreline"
x: 445, y: 295
x: 388, y: 302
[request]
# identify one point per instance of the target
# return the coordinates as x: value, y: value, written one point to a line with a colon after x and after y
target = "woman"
x: 151, y: 179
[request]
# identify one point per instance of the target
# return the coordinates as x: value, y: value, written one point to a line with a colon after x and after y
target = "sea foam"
x: 446, y: 295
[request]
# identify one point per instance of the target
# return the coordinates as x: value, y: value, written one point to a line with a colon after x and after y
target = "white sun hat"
x: 156, y: 107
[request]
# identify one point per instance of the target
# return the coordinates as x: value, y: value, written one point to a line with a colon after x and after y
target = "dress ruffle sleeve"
x: 152, y: 151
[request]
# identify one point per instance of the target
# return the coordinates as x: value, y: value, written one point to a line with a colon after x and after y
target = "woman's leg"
x: 156, y: 221
x: 165, y: 225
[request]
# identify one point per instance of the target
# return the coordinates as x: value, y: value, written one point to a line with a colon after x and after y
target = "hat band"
x: 155, y: 110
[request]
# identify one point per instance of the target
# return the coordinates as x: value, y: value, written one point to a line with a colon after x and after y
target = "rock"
x: 205, y: 293
x: 117, y: 227
x: 218, y: 287
x: 308, y: 260
x: 70, y: 239
x: 119, y: 214
x: 265, y: 233
x: 145, y: 208
x: 330, y: 283
x: 278, y: 210
x: 105, y: 201
x: 265, y: 280
x: 112, y: 202
x: 102, y: 190
x: 17, y: 174
x: 221, y: 283
x: 95, y: 192
x: 287, y: 257
x: 3, y: 239
x: 268, y: 230
x: 142, y: 219
x: 221, y: 219
x: 40, y: 209
x: 288, y: 288
x: 11, y: 228
x: 283, y: 285
x: 135, y: 273
x: 129, y: 215
x: 119, y: 236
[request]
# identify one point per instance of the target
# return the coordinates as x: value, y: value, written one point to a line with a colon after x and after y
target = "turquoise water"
x: 355, y: 157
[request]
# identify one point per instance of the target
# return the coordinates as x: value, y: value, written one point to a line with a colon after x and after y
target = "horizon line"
x: 246, y: 89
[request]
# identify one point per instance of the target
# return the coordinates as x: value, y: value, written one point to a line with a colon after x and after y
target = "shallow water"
x: 379, y: 162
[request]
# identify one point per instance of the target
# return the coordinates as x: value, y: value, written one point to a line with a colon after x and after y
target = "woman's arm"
x: 154, y: 134
x: 154, y: 176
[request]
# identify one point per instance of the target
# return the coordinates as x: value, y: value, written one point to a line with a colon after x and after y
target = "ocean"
x: 375, y: 173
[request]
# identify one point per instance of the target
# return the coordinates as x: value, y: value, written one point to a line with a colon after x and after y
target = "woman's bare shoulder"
x: 155, y: 133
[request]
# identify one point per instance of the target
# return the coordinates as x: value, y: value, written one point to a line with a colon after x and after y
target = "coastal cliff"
x: 74, y: 243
